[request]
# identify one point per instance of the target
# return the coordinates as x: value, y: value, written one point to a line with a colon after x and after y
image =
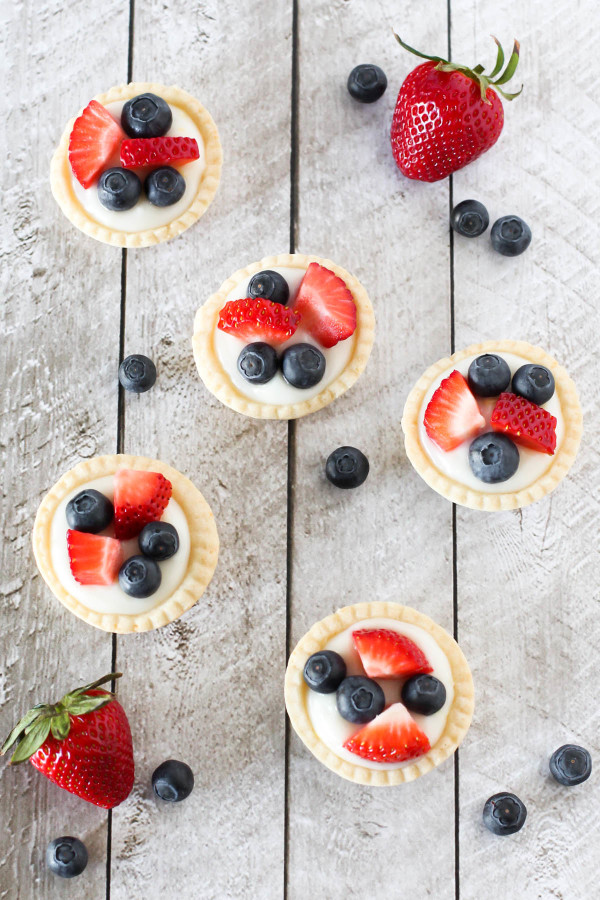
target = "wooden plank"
x: 61, y: 296
x: 208, y: 689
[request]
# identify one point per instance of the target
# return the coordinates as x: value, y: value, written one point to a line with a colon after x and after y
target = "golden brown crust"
x: 204, y: 543
x: 62, y: 186
x: 218, y: 382
x: 460, y: 493
x: 296, y: 692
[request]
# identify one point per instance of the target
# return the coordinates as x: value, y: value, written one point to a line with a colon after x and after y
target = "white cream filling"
x: 455, y: 463
x: 334, y: 731
x: 144, y: 215
x: 277, y: 391
x: 110, y: 598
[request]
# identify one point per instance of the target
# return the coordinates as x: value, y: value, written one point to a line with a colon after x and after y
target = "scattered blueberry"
x: 269, y: 285
x: 66, y: 856
x: 347, y: 467
x: 137, y: 373
x: 89, y: 511
x: 164, y: 186
x: 302, y: 365
x: 258, y: 362
x: 367, y: 83
x: 535, y: 383
x: 504, y: 814
x: 469, y: 218
x: 493, y: 457
x: 119, y: 189
x: 423, y: 694
x: 510, y: 236
x: 324, y: 671
x: 571, y: 764
x: 146, y: 116
x: 139, y: 576
x: 159, y: 540
x: 489, y: 375
x: 173, y: 781
x: 359, y: 699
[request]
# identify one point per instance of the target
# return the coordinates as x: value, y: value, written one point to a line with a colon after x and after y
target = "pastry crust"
x: 460, y: 493
x: 62, y: 186
x: 296, y: 692
x: 204, y: 543
x: 217, y: 380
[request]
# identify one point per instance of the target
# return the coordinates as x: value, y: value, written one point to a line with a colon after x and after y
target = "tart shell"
x: 296, y: 692
x: 461, y: 494
x: 62, y: 187
x: 217, y: 380
x: 204, y: 544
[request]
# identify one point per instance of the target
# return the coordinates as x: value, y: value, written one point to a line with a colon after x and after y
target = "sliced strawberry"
x: 94, y: 138
x: 140, y: 497
x: 94, y: 559
x: 255, y: 319
x: 326, y: 305
x: 386, y: 654
x: 452, y: 415
x: 392, y: 736
x: 158, y: 151
x: 523, y: 421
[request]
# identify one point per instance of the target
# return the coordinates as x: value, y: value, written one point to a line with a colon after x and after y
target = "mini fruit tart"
x: 138, y: 165
x: 495, y: 426
x: 126, y: 543
x: 284, y: 337
x: 379, y: 693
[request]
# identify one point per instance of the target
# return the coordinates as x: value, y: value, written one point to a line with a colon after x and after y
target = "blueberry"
x: 493, y: 457
x: 164, y: 186
x: 367, y: 83
x: 89, y: 511
x: 324, y: 671
x: 146, y: 116
x: 137, y: 373
x: 119, y: 189
x: 535, y: 383
x: 258, y: 362
x: 66, y: 856
x: 489, y: 375
x: 423, y: 694
x: 303, y: 365
x: 269, y: 285
x: 173, y: 781
x: 571, y: 764
x: 347, y: 467
x: 359, y: 699
x: 139, y: 576
x: 469, y: 218
x: 504, y: 813
x: 510, y: 236
x: 159, y: 540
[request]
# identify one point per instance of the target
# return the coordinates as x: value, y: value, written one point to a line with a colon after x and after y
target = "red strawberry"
x: 94, y: 138
x: 392, y: 736
x: 82, y: 744
x: 326, y: 305
x: 523, y: 421
x: 94, y: 559
x: 158, y: 151
x: 255, y: 319
x: 387, y: 654
x: 447, y: 115
x: 452, y: 415
x: 139, y: 497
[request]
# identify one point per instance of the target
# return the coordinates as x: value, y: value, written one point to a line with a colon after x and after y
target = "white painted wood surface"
x: 264, y: 822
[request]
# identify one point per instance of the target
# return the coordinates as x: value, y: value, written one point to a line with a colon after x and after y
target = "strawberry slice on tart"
x: 525, y: 422
x: 94, y: 558
x: 326, y: 305
x: 140, y: 497
x: 387, y: 654
x: 158, y: 151
x: 94, y: 140
x: 255, y: 319
x: 452, y: 415
x: 392, y: 736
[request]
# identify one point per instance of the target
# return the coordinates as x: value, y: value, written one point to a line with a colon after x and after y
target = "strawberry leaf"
x: 499, y: 59
x: 60, y: 725
x: 27, y: 720
x: 32, y: 741
x: 86, y: 704
x: 510, y: 69
x: 418, y: 52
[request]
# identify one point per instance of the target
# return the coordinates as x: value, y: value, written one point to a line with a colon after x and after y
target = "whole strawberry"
x: 447, y: 115
x: 82, y: 744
